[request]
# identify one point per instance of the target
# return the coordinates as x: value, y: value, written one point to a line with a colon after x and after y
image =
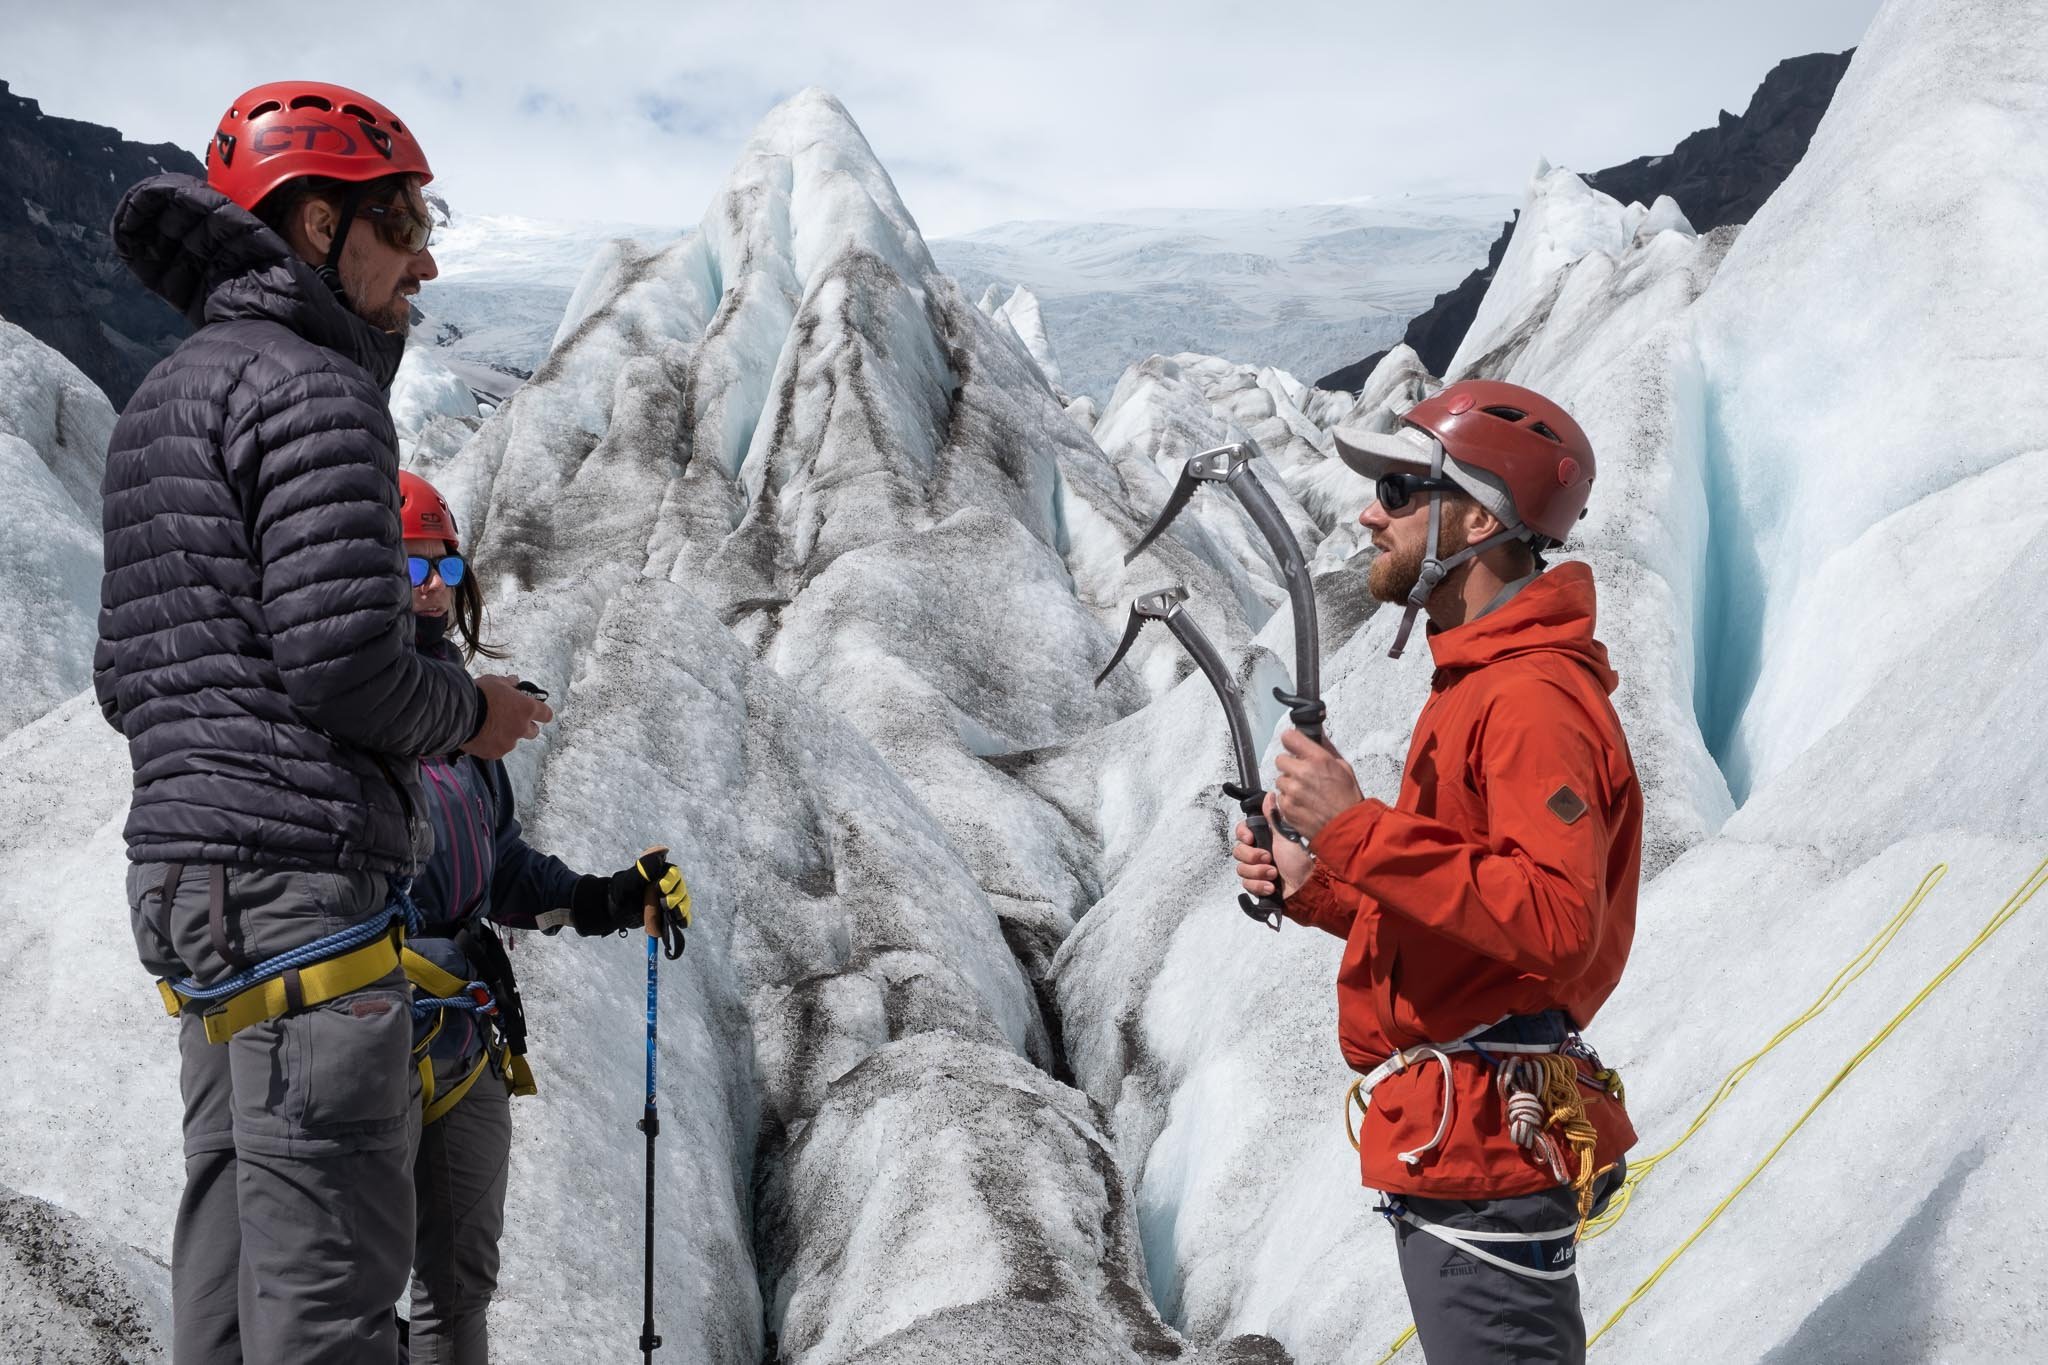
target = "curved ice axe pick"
x: 1231, y: 465
x: 1165, y: 605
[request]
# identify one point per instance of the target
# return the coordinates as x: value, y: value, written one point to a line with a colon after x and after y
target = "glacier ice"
x: 1306, y: 288
x: 54, y: 425
x: 1823, y: 431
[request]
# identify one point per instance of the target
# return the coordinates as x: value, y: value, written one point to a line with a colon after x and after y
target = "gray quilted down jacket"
x: 255, y: 637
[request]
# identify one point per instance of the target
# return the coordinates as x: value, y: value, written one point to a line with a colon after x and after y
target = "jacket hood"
x: 213, y: 261
x: 1555, y: 614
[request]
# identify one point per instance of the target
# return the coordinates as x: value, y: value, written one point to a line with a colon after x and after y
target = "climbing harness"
x: 1231, y: 466
x: 311, y: 974
x: 1551, y: 1255
x: 1539, y: 1078
x: 1166, y: 605
x: 438, y: 990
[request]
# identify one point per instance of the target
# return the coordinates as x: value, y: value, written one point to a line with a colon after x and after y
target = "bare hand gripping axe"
x: 1231, y: 465
x: 1165, y: 605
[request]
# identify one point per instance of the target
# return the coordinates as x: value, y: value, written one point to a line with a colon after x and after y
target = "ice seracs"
x: 785, y: 457
x: 54, y: 425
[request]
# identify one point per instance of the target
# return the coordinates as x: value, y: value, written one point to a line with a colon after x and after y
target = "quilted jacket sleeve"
x: 1532, y: 894
x: 321, y: 458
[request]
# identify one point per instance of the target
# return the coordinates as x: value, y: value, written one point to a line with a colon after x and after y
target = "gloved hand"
x: 606, y: 905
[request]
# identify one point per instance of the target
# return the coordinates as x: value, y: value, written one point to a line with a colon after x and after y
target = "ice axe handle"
x: 1306, y: 713
x: 1265, y: 909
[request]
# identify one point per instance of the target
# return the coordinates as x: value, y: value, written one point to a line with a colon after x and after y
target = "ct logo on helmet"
x: 1567, y: 472
x: 276, y: 138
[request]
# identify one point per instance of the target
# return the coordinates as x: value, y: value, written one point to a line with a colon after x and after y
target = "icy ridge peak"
x: 810, y: 152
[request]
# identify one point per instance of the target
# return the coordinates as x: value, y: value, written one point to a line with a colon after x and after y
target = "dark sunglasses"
x: 1396, y: 491
x: 450, y: 567
x: 400, y: 226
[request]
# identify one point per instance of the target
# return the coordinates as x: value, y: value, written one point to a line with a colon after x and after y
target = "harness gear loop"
x: 1542, y: 1093
x: 451, y: 992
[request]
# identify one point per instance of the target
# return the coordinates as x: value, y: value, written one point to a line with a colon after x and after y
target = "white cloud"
x: 1055, y: 109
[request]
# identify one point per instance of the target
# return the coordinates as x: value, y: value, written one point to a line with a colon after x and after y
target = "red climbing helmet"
x: 287, y: 129
x: 1513, y: 449
x: 423, y: 512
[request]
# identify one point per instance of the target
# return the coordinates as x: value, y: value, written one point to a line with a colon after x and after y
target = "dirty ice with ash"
x: 972, y: 1056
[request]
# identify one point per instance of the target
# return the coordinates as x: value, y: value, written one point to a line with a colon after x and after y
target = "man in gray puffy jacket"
x: 256, y: 650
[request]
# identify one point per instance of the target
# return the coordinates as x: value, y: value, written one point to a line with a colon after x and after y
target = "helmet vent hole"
x: 312, y: 102
x: 357, y: 111
x: 267, y: 107
x: 1505, y: 414
x: 1546, y: 433
x: 398, y: 127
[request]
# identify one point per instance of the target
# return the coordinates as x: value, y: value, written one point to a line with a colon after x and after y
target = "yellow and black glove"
x: 614, y: 904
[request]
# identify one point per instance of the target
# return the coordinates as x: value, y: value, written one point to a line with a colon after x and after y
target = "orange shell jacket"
x: 1502, y: 882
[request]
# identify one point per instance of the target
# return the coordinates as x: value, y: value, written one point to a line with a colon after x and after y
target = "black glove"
x: 606, y: 905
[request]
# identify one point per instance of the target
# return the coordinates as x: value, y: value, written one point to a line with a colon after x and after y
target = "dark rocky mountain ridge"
x: 60, y: 281
x: 1718, y: 175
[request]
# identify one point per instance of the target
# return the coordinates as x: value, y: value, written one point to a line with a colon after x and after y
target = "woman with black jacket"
x: 482, y: 873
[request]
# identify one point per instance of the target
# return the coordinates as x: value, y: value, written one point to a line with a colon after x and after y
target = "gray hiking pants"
x: 295, y: 1228
x: 1471, y: 1312
x: 459, y: 1179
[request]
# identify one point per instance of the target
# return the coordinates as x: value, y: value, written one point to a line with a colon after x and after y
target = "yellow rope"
x: 2012, y: 906
x: 1857, y: 965
x: 1399, y: 1342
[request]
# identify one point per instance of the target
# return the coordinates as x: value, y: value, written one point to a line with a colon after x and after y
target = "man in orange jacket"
x: 1486, y: 914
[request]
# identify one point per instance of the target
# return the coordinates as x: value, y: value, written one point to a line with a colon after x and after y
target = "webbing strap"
x: 430, y: 977
x: 439, y: 1107
x: 217, y: 919
x: 315, y: 984
x: 1549, y: 1249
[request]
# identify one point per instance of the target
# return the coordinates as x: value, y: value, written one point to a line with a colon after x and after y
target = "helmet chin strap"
x: 1435, y: 570
x: 330, y: 270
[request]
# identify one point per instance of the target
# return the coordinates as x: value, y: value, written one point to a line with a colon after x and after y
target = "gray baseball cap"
x: 1411, y: 450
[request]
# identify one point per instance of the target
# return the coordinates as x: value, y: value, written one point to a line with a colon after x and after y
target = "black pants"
x: 1470, y: 1312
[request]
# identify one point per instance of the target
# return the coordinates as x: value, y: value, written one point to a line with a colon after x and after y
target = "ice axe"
x: 1165, y: 605
x: 1231, y: 466
x: 664, y: 934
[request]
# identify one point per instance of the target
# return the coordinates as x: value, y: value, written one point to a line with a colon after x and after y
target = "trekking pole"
x: 650, y: 1124
x: 664, y: 933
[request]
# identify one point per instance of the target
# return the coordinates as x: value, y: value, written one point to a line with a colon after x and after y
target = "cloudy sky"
x: 633, y: 111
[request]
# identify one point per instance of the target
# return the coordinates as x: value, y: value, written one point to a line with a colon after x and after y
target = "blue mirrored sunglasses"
x: 450, y: 567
